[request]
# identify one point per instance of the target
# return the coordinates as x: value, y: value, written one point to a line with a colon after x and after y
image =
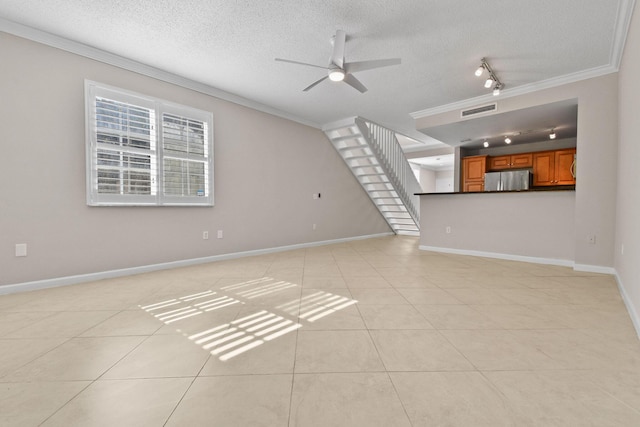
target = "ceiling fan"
x: 339, y: 70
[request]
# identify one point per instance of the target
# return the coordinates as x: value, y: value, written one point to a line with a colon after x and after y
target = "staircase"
x: 376, y: 159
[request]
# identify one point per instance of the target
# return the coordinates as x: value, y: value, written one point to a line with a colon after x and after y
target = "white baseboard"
x: 594, y: 269
x: 635, y: 319
x: 510, y: 257
x: 535, y: 260
x: 82, y: 278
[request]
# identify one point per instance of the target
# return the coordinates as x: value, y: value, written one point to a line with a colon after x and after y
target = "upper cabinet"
x: 550, y: 168
x: 554, y: 168
x: 514, y: 161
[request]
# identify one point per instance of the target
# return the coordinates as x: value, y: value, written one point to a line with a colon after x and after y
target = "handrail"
x: 387, y: 149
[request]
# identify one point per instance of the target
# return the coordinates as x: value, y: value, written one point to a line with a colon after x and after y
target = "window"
x: 145, y: 151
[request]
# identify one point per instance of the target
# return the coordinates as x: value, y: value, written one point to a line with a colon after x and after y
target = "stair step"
x: 398, y: 217
x: 371, y: 174
x: 343, y: 126
x: 354, y: 147
x: 363, y: 156
x: 372, y: 165
x: 380, y: 183
x: 346, y: 137
x: 373, y: 182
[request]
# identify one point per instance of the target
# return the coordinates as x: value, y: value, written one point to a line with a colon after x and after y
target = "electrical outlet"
x: 219, y: 234
x: 447, y: 229
x: 21, y: 249
x: 205, y: 235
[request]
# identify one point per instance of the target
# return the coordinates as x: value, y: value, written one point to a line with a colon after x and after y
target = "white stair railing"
x: 387, y: 149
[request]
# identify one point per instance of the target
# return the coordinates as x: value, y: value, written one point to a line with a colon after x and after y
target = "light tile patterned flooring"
x: 366, y: 333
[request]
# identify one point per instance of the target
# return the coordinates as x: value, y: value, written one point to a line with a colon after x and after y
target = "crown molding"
x: 625, y: 12
x: 517, y: 91
x: 96, y: 54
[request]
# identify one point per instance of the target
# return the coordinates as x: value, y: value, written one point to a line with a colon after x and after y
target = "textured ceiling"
x: 231, y: 45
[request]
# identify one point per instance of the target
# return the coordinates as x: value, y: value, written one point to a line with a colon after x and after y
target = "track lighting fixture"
x: 486, y: 144
x: 552, y: 135
x: 492, y: 79
x: 507, y: 140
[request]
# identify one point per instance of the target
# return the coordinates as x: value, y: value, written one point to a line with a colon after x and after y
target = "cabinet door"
x: 499, y: 162
x: 474, y: 186
x: 524, y: 160
x: 543, y: 168
x: 564, y: 167
x: 474, y: 168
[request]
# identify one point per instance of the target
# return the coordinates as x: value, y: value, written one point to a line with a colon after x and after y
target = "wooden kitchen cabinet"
x: 514, y: 161
x: 472, y: 187
x: 554, y: 168
x: 473, y: 170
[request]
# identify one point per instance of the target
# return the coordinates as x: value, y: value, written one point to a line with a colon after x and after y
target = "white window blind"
x: 125, y: 163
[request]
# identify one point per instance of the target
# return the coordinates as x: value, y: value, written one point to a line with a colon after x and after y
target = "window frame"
x: 158, y: 109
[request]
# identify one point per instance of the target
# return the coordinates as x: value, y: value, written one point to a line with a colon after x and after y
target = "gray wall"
x: 266, y: 170
x: 595, y: 199
x: 628, y: 209
x: 501, y: 223
x: 428, y: 180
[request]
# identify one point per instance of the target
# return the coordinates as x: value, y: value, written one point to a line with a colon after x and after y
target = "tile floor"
x: 366, y: 333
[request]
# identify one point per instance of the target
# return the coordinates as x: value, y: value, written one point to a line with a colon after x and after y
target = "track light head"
x: 552, y: 135
x: 492, y: 79
x: 486, y: 144
x: 507, y: 140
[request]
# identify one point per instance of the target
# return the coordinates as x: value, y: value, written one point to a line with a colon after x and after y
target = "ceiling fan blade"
x: 314, y: 83
x: 352, y: 67
x: 300, y: 63
x: 354, y: 83
x: 339, y: 41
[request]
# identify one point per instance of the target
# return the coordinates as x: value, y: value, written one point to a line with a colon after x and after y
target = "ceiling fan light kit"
x: 340, y: 71
x: 336, y: 75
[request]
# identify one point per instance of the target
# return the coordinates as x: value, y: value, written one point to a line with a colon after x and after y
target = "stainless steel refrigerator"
x: 507, y: 180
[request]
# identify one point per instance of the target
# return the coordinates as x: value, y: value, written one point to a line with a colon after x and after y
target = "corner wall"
x: 266, y: 170
x: 627, y: 264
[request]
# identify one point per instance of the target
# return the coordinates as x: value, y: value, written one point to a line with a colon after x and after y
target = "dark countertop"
x: 535, y: 189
